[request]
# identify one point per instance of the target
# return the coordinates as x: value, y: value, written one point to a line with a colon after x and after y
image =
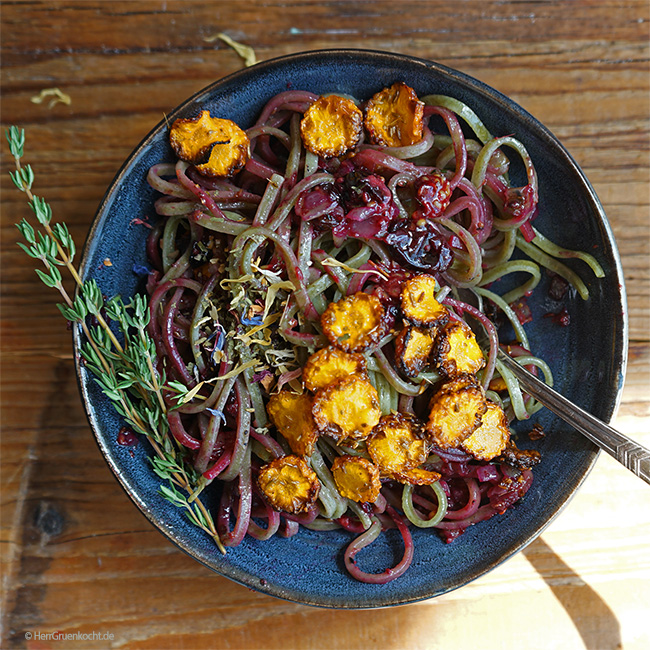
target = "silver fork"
x: 626, y: 451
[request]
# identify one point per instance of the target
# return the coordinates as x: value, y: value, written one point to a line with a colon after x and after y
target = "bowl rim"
x: 474, y: 85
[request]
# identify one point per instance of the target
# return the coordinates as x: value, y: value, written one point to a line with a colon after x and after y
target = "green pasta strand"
x: 552, y: 264
x: 414, y: 517
x: 514, y: 266
x: 169, y: 253
x: 554, y: 250
x: 516, y: 397
x: 333, y: 503
x: 520, y: 333
x: 503, y: 253
x: 463, y: 111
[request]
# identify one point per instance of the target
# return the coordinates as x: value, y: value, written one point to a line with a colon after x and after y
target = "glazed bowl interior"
x: 587, y: 358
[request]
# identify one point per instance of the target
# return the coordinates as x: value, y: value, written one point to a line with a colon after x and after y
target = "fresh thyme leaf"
x: 42, y: 210
x: 69, y: 313
x: 29, y: 250
x: 171, y: 494
x: 177, y: 386
x: 196, y: 516
x: 62, y: 234
x: 23, y: 178
x: 16, y: 140
x: 163, y: 467
x: 93, y: 296
x: 49, y: 279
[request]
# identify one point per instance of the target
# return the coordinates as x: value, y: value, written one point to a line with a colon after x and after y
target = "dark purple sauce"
x: 419, y: 246
x: 360, y: 204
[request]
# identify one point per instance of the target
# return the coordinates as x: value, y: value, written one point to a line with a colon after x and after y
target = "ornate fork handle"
x: 630, y: 454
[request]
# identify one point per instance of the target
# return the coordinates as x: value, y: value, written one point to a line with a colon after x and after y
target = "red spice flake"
x: 127, y: 438
x: 448, y: 536
x: 522, y: 311
x: 455, y: 242
x: 527, y: 231
x: 561, y: 318
x: 140, y: 222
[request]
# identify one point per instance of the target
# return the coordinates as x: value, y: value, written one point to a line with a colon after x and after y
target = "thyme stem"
x: 125, y: 372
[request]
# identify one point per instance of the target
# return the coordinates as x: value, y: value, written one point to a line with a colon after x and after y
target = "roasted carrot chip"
x: 490, y: 439
x: 418, y: 476
x: 215, y: 146
x: 356, y: 478
x: 457, y: 350
x: 289, y: 484
x: 497, y: 384
x: 394, y: 116
x: 291, y: 414
x: 419, y: 304
x: 455, y: 414
x: 413, y: 347
x: 354, y: 323
x: 349, y: 408
x: 519, y: 458
x: 329, y: 365
x: 460, y: 381
x: 331, y: 126
x: 397, y: 446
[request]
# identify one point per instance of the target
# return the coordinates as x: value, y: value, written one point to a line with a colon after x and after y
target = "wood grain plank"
x: 42, y: 29
x: 75, y: 554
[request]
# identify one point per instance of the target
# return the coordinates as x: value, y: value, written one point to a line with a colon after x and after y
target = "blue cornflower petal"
x: 141, y: 269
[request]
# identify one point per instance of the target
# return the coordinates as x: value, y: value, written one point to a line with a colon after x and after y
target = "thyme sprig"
x: 126, y: 369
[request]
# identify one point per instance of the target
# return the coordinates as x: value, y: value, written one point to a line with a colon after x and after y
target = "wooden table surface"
x: 76, y: 554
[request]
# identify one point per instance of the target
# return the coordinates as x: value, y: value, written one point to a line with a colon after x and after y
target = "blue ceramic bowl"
x: 588, y: 358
